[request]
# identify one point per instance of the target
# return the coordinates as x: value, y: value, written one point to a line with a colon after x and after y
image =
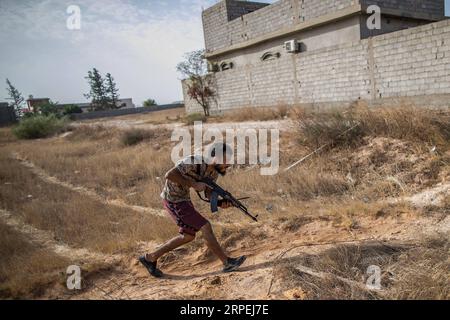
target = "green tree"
x: 112, y: 91
x: 199, y: 83
x: 149, y: 102
x: 98, y: 91
x: 16, y: 97
x: 48, y: 109
x: 70, y: 109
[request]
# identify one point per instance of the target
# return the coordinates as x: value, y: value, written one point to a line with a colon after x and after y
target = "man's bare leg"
x: 169, y: 246
x: 212, y: 242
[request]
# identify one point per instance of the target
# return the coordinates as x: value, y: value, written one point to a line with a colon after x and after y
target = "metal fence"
x: 123, y: 112
x: 7, y: 115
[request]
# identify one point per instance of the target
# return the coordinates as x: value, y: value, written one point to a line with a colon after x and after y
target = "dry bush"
x: 404, y: 122
x: 422, y: 273
x: 90, y: 132
x: 331, y: 126
x: 193, y: 117
x: 26, y: 269
x: 132, y: 137
x: 314, y: 179
x: 399, y: 122
x: 407, y: 272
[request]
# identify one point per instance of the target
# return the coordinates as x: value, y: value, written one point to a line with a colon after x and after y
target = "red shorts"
x: 186, y: 217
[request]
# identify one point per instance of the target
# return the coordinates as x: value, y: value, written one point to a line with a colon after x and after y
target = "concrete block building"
x: 321, y: 51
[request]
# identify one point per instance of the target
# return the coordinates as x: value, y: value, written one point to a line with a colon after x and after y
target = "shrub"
x: 49, y: 109
x: 39, y: 126
x: 404, y: 122
x: 334, y: 127
x: 134, y: 136
x: 348, y: 126
x: 28, y: 114
x: 191, y: 118
x: 70, y: 109
x: 149, y: 103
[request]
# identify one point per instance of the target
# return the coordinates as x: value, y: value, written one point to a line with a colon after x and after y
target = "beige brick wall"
x: 412, y: 62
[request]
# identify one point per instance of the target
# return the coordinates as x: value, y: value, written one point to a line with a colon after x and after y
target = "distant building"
x: 33, y: 103
x: 126, y: 103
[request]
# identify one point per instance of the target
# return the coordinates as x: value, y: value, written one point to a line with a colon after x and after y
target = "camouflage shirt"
x: 175, y: 192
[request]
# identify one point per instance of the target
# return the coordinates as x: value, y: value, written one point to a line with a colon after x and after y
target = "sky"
x: 447, y: 8
x: 139, y: 42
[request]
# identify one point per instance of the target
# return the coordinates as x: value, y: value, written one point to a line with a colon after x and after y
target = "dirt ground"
x: 314, y: 243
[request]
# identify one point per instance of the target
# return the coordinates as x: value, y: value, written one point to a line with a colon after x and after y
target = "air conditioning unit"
x: 291, y: 46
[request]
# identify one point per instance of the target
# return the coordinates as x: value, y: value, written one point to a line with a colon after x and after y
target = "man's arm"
x: 175, y: 175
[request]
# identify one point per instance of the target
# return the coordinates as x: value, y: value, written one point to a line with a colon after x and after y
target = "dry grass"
x: 239, y: 115
x: 6, y: 135
x: 399, y: 122
x: 422, y: 273
x: 26, y: 269
x: 97, y: 159
x: 75, y: 219
x: 378, y: 168
x: 407, y: 272
x: 255, y: 114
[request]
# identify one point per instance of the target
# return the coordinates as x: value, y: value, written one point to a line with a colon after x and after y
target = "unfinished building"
x: 296, y: 52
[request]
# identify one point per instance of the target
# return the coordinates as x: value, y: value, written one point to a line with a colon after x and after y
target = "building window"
x: 213, y: 67
x: 270, y: 56
x: 226, y: 66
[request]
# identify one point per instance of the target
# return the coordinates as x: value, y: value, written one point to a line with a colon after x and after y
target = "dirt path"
x: 42, y: 174
x: 47, y: 240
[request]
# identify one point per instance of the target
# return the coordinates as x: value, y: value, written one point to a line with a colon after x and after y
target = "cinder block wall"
x: 223, y: 26
x: 432, y: 8
x: 232, y: 22
x: 409, y: 63
x: 413, y: 62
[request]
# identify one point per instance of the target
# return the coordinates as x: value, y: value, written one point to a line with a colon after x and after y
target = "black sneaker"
x: 151, y: 267
x: 233, y: 263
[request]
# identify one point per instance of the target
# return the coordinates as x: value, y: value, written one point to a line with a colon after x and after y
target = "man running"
x: 177, y: 202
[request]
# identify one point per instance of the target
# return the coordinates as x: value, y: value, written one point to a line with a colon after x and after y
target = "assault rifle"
x: 217, y: 191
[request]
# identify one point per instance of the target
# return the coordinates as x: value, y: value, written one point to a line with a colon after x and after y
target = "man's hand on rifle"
x: 225, y: 204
